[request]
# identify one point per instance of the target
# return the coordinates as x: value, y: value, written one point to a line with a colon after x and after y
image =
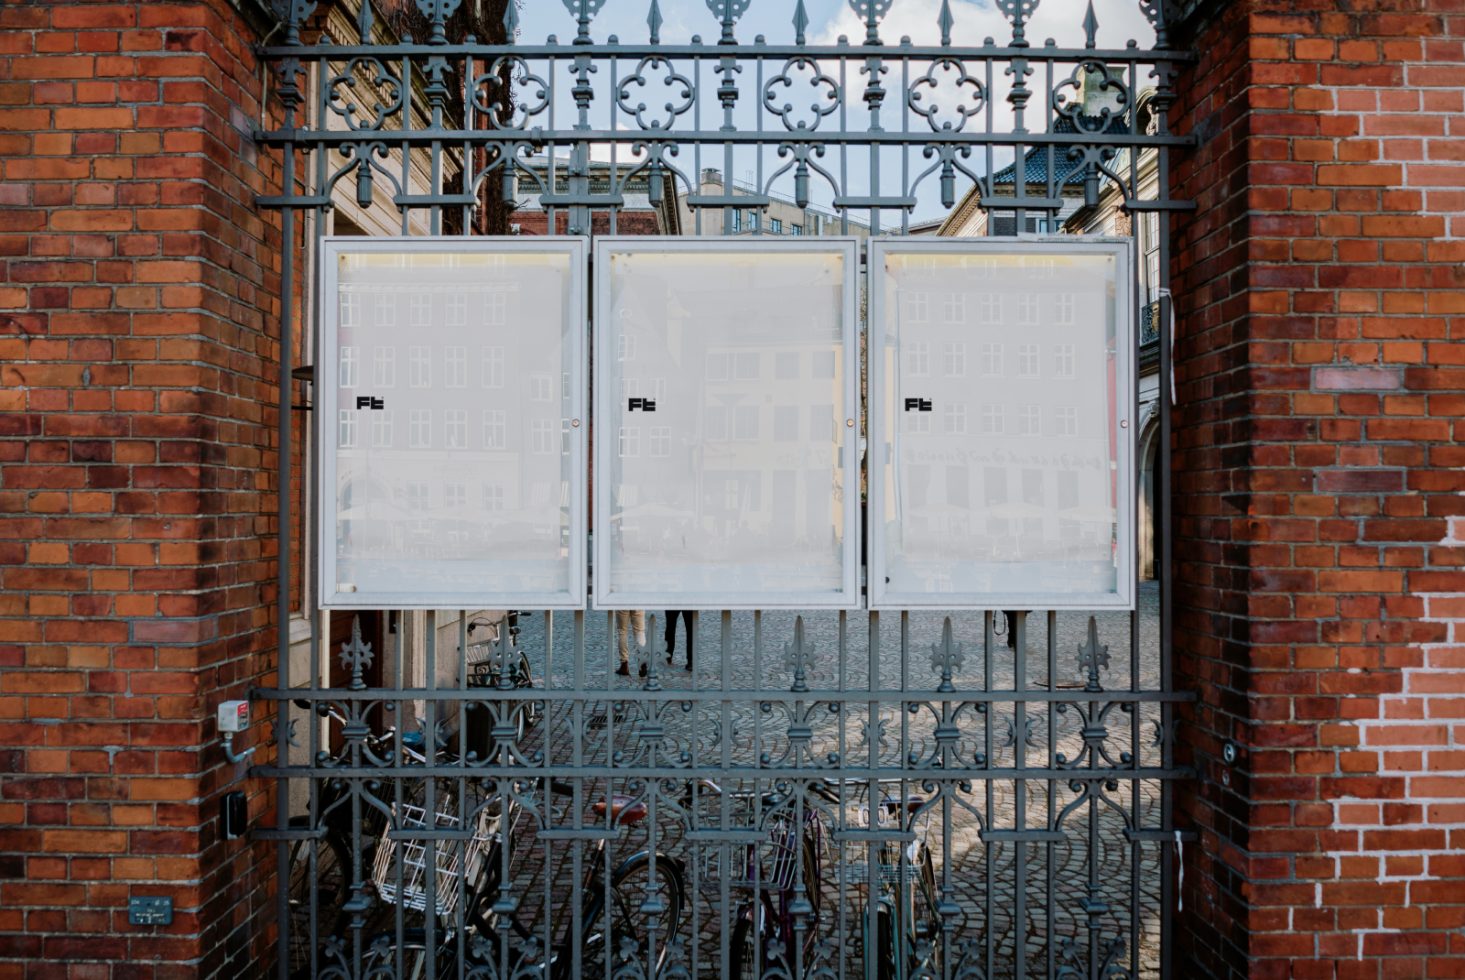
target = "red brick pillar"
x: 139, y: 311
x: 1321, y: 299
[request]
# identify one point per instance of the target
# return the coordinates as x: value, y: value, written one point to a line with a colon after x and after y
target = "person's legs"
x: 623, y: 623
x: 690, y: 618
x: 671, y: 632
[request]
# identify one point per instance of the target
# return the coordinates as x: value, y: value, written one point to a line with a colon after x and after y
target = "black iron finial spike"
x: 801, y: 23
x: 945, y: 21
x: 1090, y: 26
x: 653, y: 21
x: 511, y: 21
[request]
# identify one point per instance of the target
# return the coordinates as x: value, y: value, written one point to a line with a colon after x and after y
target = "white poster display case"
x: 450, y: 403
x: 1001, y: 424
x: 726, y: 444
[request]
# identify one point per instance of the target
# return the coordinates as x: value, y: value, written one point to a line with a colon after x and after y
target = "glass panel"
x: 727, y: 488
x: 450, y: 486
x: 1014, y: 495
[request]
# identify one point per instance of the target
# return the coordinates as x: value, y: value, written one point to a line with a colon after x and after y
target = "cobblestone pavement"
x: 1076, y: 893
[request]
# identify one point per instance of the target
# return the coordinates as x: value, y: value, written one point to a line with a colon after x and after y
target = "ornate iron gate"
x: 836, y: 795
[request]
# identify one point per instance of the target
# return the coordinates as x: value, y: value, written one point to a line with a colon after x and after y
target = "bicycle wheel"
x: 626, y: 918
x: 880, y: 945
x: 925, y: 953
x: 330, y: 880
x: 744, y: 950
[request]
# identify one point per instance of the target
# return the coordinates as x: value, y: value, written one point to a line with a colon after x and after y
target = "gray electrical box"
x: 150, y: 910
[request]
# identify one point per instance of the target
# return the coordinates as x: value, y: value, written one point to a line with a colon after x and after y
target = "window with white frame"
x: 630, y: 441
x: 384, y: 310
x: 917, y: 422
x: 347, y: 434
x: 786, y: 365
x: 917, y: 358
x: 1064, y: 365
x: 419, y: 366
x: 1063, y: 309
x: 658, y: 441
x: 420, y: 310
x: 953, y: 308
x: 455, y: 428
x: 745, y: 365
x: 383, y: 367
x: 992, y: 360
x: 455, y: 495
x: 381, y: 429
x: 495, y: 430
x: 989, y: 310
x: 1028, y: 360
x: 416, y: 496
x: 915, y: 305
x: 492, y: 367
x: 347, y: 367
x: 456, y: 310
x: 350, y: 308
x: 625, y: 347
x: 455, y: 367
x: 1029, y: 420
x: 1065, y: 422
x: 496, y: 309
x: 994, y: 419
x: 419, y: 428
x: 716, y: 365
x: 493, y: 497
x: 953, y: 418
x: 953, y: 359
x: 541, y: 437
x: 1027, y: 308
x: 541, y: 387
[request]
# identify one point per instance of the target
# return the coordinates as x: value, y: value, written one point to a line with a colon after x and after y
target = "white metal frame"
x: 605, y: 408
x: 1125, y: 407
x: 327, y: 436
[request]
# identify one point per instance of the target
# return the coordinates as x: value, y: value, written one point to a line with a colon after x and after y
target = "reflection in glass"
x: 465, y: 497
x: 1024, y: 501
x: 728, y: 487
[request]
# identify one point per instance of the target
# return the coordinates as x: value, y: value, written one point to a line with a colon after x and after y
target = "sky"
x: 974, y: 21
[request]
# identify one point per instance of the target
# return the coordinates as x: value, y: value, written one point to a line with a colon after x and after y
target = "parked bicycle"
x: 647, y: 892
x: 900, y: 926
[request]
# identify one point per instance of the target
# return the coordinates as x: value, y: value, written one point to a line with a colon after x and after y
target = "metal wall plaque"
x: 450, y: 402
x: 727, y: 451
x: 1000, y: 412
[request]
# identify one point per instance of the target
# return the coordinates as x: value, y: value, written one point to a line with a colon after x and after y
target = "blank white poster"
x: 726, y: 451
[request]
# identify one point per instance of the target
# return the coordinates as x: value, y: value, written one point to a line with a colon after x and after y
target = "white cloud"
x: 1062, y: 20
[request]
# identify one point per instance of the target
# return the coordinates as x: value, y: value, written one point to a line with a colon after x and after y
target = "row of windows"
x: 997, y: 482
x: 1028, y: 360
x: 751, y: 219
x: 448, y: 308
x: 423, y: 371
x: 418, y: 497
x: 994, y: 420
x: 545, y: 435
x: 991, y: 308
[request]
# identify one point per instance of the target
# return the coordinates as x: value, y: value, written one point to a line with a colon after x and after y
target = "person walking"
x: 627, y: 620
x: 671, y: 633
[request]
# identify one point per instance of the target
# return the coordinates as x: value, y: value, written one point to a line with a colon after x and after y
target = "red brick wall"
x: 1319, y: 485
x: 139, y: 311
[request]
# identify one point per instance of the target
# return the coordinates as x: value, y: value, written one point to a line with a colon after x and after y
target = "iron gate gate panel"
x: 471, y: 793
